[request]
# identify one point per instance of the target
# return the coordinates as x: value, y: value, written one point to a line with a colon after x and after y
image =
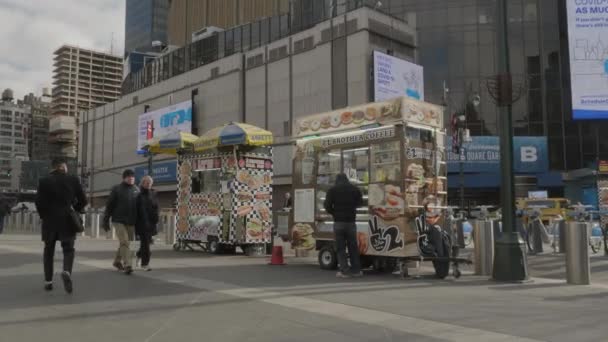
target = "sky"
x: 31, y: 30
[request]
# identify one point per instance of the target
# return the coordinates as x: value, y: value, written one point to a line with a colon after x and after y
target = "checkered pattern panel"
x: 602, y: 185
x: 259, y: 186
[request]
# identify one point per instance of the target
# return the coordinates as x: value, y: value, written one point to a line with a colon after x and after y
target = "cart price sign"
x: 255, y: 163
x: 207, y: 164
x: 603, y: 166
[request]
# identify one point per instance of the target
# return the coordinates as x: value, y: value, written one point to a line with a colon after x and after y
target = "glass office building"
x: 145, y: 22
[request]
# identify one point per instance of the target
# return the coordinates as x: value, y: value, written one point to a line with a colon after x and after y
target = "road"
x: 192, y: 296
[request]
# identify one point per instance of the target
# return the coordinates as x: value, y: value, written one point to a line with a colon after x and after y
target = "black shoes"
x: 128, y: 270
x: 67, y: 281
x: 48, y: 286
x: 118, y: 265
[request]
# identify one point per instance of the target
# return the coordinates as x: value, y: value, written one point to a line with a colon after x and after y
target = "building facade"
x: 457, y: 48
x: 14, y: 125
x: 38, y: 135
x: 145, y: 22
x: 188, y: 16
x: 268, y: 79
x: 82, y: 79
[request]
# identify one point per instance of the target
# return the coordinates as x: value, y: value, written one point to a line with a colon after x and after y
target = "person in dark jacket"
x: 122, y: 209
x: 57, y: 195
x: 342, y: 201
x: 147, y: 220
x: 5, y: 209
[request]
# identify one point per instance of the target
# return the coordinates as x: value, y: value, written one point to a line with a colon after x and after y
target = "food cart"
x: 394, y: 152
x: 225, y: 190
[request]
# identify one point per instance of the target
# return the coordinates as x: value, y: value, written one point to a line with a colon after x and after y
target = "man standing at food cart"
x: 122, y: 209
x: 341, y: 202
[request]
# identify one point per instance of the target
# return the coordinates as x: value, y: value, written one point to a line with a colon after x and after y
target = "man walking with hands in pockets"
x: 122, y: 209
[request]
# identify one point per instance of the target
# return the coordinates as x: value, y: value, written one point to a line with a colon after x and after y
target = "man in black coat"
x: 58, y: 194
x: 342, y: 201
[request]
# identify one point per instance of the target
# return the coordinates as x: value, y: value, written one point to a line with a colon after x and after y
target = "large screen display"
x: 395, y: 77
x: 588, y: 42
x: 164, y: 121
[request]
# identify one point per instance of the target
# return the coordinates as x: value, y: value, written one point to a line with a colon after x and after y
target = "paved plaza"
x: 195, y: 296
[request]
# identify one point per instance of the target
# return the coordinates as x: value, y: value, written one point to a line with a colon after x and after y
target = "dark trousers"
x: 144, y: 249
x: 1, y: 224
x: 346, y: 237
x: 49, y: 256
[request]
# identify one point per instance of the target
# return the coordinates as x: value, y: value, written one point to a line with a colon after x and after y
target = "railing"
x: 28, y: 222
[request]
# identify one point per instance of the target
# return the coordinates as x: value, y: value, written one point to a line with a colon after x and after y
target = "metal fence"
x: 30, y: 223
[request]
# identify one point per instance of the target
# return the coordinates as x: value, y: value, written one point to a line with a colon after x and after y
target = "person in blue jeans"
x: 341, y: 202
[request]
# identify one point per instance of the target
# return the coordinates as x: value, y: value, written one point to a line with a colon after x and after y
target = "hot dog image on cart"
x: 394, y: 152
x: 225, y: 190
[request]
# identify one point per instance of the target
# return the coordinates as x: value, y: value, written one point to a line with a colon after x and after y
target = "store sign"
x: 162, y: 172
x: 164, y: 121
x: 588, y: 44
x: 395, y: 77
x: 362, y: 136
x: 482, y: 155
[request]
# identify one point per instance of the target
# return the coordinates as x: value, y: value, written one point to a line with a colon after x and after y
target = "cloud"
x: 32, y: 30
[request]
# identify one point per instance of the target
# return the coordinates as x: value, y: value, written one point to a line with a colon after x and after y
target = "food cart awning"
x: 234, y: 133
x: 170, y: 143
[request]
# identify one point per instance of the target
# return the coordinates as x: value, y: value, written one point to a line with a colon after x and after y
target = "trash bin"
x: 484, y: 247
x: 578, y: 271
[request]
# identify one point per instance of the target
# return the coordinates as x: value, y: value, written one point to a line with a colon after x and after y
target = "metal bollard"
x: 578, y: 270
x: 170, y: 230
x: 534, y: 231
x: 560, y: 226
x: 95, y: 226
x: 484, y: 247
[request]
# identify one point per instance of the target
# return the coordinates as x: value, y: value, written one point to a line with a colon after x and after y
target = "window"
x: 275, y: 28
x: 237, y: 39
x: 255, y: 35
x: 246, y: 37
x: 206, y: 181
x: 264, y: 31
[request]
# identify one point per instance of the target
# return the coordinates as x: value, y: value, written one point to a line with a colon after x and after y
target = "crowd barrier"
x: 28, y: 222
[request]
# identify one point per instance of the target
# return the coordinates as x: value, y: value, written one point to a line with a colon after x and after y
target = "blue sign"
x: 162, y: 172
x: 482, y: 155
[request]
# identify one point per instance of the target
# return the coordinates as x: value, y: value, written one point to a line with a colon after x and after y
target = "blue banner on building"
x: 162, y: 172
x: 482, y: 155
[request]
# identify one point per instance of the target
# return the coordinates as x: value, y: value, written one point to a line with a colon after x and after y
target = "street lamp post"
x: 510, y: 262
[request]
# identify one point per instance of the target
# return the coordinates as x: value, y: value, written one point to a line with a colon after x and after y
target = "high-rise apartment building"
x: 14, y: 125
x: 189, y: 16
x: 145, y: 22
x: 82, y: 79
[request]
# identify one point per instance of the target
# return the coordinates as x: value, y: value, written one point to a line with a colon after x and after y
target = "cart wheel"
x: 328, y: 260
x: 213, y: 245
x: 366, y: 262
x: 176, y: 247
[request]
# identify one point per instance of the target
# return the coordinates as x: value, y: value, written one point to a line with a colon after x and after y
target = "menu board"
x: 253, y: 199
x: 304, y: 205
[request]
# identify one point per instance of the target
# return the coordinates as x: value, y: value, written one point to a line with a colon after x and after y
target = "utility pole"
x: 510, y: 262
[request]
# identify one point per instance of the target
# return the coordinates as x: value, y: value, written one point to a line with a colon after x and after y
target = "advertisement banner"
x: 482, y: 155
x: 162, y: 172
x: 395, y: 77
x: 588, y: 44
x: 164, y: 121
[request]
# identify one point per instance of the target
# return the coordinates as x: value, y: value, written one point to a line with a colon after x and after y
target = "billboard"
x: 394, y: 77
x: 482, y: 155
x: 164, y: 121
x: 588, y: 46
x: 162, y: 172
